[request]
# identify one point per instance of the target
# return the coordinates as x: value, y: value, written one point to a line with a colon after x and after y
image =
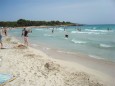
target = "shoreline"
x: 24, y: 59
x: 103, y: 65
x: 45, y: 48
x: 43, y: 26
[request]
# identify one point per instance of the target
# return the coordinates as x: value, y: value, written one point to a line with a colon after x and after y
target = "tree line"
x: 23, y: 22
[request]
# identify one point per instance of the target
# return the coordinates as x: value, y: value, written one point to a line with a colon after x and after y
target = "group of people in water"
x: 25, y: 31
x: 77, y: 29
x: 66, y: 33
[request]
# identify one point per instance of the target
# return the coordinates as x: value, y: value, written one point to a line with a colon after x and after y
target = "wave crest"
x: 105, y: 45
x: 78, y: 42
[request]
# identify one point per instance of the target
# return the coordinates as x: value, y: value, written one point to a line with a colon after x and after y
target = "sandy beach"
x: 32, y: 67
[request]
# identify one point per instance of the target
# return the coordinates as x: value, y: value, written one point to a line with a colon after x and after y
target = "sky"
x: 76, y: 11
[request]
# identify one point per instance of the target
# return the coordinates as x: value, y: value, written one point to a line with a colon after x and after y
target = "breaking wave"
x: 78, y: 42
x: 105, y: 45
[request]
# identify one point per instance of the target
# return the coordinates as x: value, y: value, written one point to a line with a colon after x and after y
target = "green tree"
x: 22, y: 22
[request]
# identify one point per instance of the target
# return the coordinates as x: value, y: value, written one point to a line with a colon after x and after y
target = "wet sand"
x: 101, y: 65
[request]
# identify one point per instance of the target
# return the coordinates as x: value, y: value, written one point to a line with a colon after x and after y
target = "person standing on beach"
x: 25, y: 34
x: 1, y: 45
x: 5, y: 31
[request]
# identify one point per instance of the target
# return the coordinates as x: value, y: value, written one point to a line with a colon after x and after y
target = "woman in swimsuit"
x: 25, y: 34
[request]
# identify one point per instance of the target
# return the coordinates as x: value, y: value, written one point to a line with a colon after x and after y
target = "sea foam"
x: 38, y: 29
x: 96, y: 57
x: 47, y: 35
x: 105, y: 45
x: 78, y: 41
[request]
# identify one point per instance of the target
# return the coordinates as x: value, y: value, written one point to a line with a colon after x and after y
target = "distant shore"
x: 45, y: 26
x: 24, y: 22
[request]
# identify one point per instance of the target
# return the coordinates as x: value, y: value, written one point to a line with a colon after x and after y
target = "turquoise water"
x: 94, y: 40
x: 4, y: 78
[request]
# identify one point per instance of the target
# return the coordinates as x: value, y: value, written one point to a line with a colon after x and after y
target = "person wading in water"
x: 25, y: 34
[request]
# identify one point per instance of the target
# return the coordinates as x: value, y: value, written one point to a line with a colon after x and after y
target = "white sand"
x: 31, y: 67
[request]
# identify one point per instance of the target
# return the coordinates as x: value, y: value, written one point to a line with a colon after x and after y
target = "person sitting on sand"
x: 25, y: 34
x: 1, y: 45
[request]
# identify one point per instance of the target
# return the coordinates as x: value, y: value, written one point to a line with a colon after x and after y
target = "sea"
x: 96, y: 41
